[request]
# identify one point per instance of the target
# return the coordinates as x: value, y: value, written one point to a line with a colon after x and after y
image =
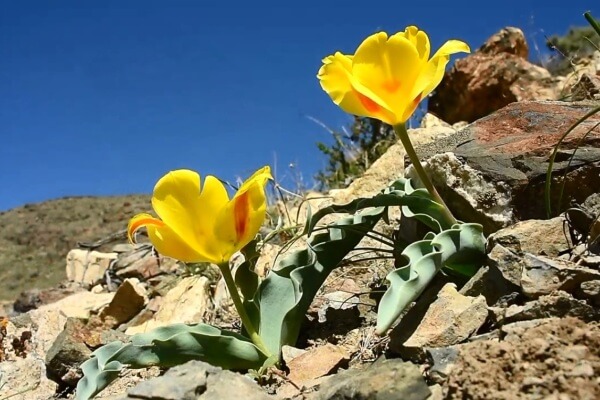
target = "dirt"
x: 559, y: 359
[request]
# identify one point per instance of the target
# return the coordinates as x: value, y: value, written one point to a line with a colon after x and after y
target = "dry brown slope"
x: 35, y: 238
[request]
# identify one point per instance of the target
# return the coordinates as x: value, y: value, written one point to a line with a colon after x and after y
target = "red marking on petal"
x: 417, y: 99
x: 241, y: 210
x: 369, y: 104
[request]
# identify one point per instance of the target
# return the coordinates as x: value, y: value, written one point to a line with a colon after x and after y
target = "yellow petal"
x: 334, y: 76
x: 239, y: 222
x: 166, y: 242
x: 433, y: 73
x: 176, y: 200
x: 261, y: 177
x: 387, y: 67
x: 420, y: 40
x: 212, y: 200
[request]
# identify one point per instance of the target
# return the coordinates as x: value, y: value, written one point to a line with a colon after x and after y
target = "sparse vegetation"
x: 353, y: 151
x: 35, y: 238
x: 579, y: 42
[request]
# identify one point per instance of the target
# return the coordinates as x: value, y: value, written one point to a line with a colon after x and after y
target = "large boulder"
x: 494, y: 170
x: 494, y: 76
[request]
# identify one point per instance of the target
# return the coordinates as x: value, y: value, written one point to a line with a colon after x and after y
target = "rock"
x: 542, y: 275
x: 493, y: 171
x: 509, y: 40
x: 558, y: 304
x: 536, y: 363
x: 437, y: 392
x: 543, y: 237
x: 66, y: 354
x: 491, y: 78
x: 340, y: 307
x: 142, y: 262
x: 48, y: 321
x: 587, y: 88
x: 25, y: 379
x: 315, y: 363
x: 186, y: 303
x: 431, y: 121
x: 196, y: 380
x: 386, y: 380
x: 411, y: 320
x: 129, y: 299
x: 451, y: 319
x: 591, y: 290
x: 490, y: 283
x: 35, y: 298
x: 442, y: 361
x: 288, y: 353
x: 507, y: 263
x: 88, y: 267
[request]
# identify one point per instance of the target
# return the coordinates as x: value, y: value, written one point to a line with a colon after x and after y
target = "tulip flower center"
x: 391, y: 86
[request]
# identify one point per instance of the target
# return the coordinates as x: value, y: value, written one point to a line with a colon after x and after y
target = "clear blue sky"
x: 104, y: 97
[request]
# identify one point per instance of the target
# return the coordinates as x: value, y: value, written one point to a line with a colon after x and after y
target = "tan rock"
x: 186, y: 303
x: 50, y: 319
x: 88, y: 267
x: 449, y: 320
x: 129, y: 299
x: 25, y: 379
x: 545, y: 237
x: 509, y: 40
x: 315, y: 363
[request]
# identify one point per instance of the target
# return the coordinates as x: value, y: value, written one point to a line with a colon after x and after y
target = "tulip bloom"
x: 387, y: 77
x: 202, y: 224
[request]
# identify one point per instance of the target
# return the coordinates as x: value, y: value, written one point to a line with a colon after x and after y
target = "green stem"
x: 592, y: 22
x: 402, y: 133
x: 239, y: 306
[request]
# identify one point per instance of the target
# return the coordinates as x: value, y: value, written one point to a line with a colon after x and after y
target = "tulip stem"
x: 239, y: 306
x: 402, y: 133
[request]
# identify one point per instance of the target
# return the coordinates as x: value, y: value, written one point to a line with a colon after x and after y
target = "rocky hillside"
x: 529, y: 316
x: 35, y: 238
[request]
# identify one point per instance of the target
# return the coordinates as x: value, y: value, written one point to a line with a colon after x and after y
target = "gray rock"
x: 442, y: 361
x: 386, y: 380
x: 66, y: 354
x: 197, y: 380
x: 490, y: 283
x: 493, y: 171
x: 509, y: 264
x: 558, y: 304
x: 542, y: 275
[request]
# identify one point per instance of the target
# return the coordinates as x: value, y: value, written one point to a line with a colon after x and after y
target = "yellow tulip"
x: 202, y: 224
x: 387, y: 77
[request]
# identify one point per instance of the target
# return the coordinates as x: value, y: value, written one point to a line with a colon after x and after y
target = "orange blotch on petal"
x: 139, y: 222
x: 241, y: 214
x: 368, y: 104
x: 411, y: 108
